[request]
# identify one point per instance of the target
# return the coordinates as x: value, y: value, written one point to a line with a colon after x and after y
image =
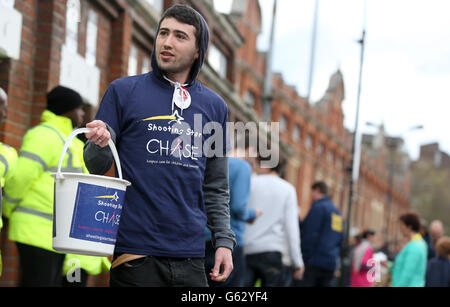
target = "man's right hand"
x: 298, y: 273
x: 99, y: 134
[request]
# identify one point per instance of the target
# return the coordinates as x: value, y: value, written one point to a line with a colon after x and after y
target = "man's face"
x: 436, y: 231
x: 176, y: 48
x: 77, y: 116
x: 405, y: 230
x: 371, y: 239
x: 316, y: 195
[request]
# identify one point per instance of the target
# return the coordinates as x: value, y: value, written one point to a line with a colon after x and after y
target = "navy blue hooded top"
x: 175, y: 186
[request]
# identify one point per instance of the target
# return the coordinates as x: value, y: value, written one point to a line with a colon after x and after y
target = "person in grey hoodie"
x: 176, y: 188
x: 266, y: 239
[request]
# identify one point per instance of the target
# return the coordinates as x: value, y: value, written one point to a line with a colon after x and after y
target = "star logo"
x: 175, y: 117
x: 114, y: 197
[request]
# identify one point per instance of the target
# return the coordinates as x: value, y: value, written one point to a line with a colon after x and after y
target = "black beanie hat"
x: 61, y: 100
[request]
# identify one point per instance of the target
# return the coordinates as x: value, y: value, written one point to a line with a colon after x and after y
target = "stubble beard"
x: 174, y: 67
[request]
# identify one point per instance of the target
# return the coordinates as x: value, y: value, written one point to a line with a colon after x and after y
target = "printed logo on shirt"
x: 336, y: 222
x: 171, y: 137
x: 174, y: 118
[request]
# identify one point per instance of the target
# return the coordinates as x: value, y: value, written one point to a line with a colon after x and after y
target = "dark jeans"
x: 266, y: 266
x: 160, y: 272
x: 40, y: 267
x: 236, y: 278
x: 316, y: 277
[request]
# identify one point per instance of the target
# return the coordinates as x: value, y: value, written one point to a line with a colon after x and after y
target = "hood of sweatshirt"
x: 196, y: 67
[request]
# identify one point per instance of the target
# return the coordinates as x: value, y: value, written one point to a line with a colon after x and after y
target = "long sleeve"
x: 99, y: 160
x: 368, y: 254
x: 407, y: 268
x: 216, y: 194
x: 239, y: 195
x: 293, y: 230
x: 34, y: 159
x: 311, y: 232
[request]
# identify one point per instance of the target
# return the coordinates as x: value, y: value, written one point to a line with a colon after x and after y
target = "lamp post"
x: 313, y: 51
x: 353, y: 173
x: 268, y: 94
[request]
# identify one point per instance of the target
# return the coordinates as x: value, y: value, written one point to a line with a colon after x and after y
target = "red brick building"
x: 86, y: 44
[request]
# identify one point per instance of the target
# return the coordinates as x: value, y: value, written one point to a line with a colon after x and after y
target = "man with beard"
x: 176, y: 188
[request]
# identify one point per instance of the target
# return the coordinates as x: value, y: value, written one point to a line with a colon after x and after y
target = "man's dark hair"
x: 411, y: 220
x: 280, y: 168
x: 368, y: 233
x: 321, y: 186
x: 184, y: 14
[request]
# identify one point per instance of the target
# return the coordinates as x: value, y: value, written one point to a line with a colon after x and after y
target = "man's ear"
x: 197, y: 53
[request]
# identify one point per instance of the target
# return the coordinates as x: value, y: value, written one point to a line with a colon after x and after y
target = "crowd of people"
x: 217, y: 220
x: 422, y: 259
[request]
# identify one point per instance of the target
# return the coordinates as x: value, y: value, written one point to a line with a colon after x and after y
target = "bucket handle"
x: 69, y: 140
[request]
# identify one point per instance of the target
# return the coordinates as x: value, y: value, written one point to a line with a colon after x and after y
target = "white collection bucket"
x: 87, y: 208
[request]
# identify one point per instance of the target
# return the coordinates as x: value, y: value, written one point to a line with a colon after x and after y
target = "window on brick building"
x: 133, y: 61
x: 72, y: 20
x: 250, y: 98
x: 296, y: 134
x: 320, y: 150
x: 309, y: 142
x: 218, y: 61
x: 283, y: 123
x: 157, y: 4
x: 340, y: 163
x: 330, y: 156
x: 91, y: 38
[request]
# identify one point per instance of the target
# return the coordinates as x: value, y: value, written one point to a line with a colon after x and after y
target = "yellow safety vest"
x: 29, y: 195
x: 92, y: 265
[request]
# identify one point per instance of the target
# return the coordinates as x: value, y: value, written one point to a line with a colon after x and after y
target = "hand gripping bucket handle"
x: 82, y: 222
x: 59, y: 175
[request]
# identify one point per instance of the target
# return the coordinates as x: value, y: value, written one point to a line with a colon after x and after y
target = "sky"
x: 406, y: 72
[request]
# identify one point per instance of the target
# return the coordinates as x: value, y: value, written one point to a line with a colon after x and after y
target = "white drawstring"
x: 179, y: 90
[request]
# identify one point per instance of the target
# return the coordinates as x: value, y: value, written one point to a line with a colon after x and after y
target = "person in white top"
x: 265, y: 240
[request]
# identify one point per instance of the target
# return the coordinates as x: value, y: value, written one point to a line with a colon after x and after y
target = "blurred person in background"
x: 436, y: 231
x: 322, y: 237
x: 438, y: 268
x: 239, y: 177
x: 265, y: 239
x: 361, y: 265
x: 29, y: 193
x: 426, y: 236
x: 410, y: 264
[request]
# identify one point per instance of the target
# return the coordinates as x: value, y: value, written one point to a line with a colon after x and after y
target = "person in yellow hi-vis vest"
x: 28, y: 198
x: 77, y: 268
x: 8, y: 157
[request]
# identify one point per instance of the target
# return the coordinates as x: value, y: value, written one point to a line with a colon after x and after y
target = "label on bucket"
x: 96, y: 214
